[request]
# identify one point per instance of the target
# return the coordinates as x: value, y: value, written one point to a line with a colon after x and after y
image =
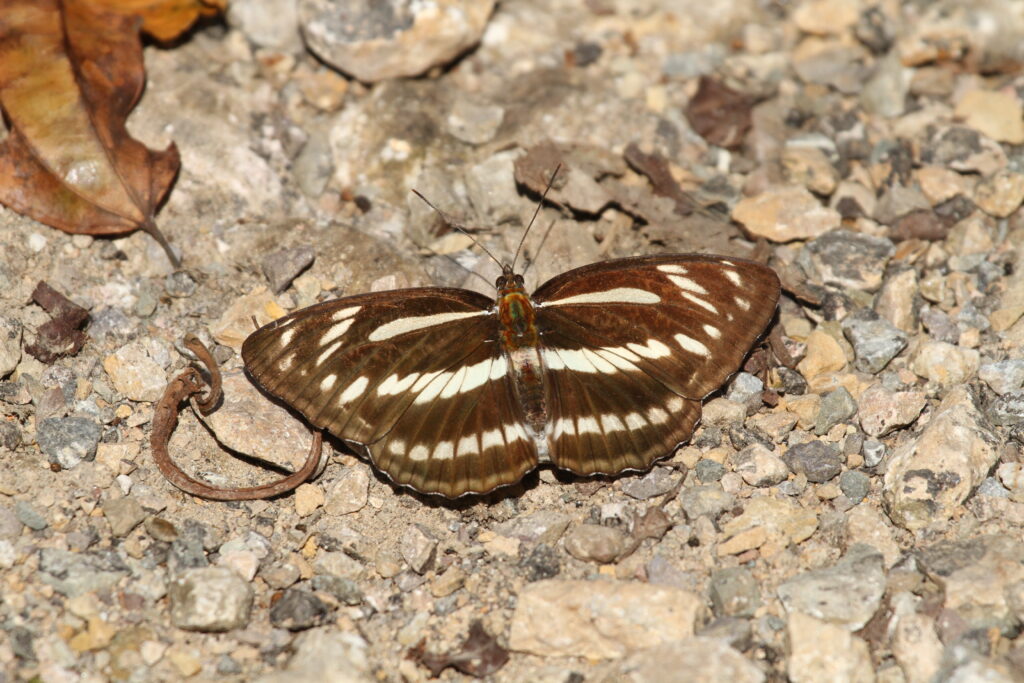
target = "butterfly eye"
x: 519, y: 280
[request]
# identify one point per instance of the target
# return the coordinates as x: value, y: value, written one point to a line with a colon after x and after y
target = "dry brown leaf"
x: 69, y: 76
x: 163, y: 19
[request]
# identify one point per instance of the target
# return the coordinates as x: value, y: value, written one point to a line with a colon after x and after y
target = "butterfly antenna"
x: 451, y: 223
x: 453, y: 260
x: 536, y: 211
x: 540, y: 246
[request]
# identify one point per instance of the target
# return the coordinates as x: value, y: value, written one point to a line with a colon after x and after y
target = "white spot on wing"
x: 393, y: 386
x: 418, y: 322
x: 454, y: 385
x: 444, y: 451
x: 687, y: 284
x: 491, y: 439
x: 657, y: 416
x: 612, y: 423
x: 335, y: 332
x: 286, y: 337
x: 286, y: 363
x: 397, y: 446
x: 675, y: 404
x: 652, y: 349
x: 327, y: 353
x: 345, y: 313
x: 499, y: 368
x: 700, y: 302
x: 588, y: 424
x: 353, y: 391
x: 327, y: 382
x: 692, y: 345
x: 468, y: 445
x: 419, y: 453
x: 743, y: 303
x: 434, y: 388
x: 615, y: 359
x: 616, y: 295
x: 733, y: 277
x: 635, y: 421
x: 670, y: 268
x: 712, y: 331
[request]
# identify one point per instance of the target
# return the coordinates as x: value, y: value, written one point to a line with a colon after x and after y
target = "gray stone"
x: 700, y: 658
x: 875, y: 340
x: 313, y: 167
x: 820, y: 651
x: 883, y: 411
x: 854, y: 485
x: 377, y: 41
x: 73, y: 574
x: 418, y: 546
x: 298, y: 610
x: 209, y: 599
x: 939, y: 325
x: 491, y: 186
x: 10, y: 345
x: 836, y: 407
x: 759, y: 466
x: 123, y: 515
x: 734, y: 592
x: 816, y: 460
x: 1008, y: 409
x: 10, y: 436
x: 543, y: 526
x: 10, y: 524
x: 345, y: 590
x: 283, y: 266
x: 272, y: 24
x: 29, y: 516
x: 928, y: 478
x: 657, y: 482
x: 708, y: 500
x: 746, y: 389
x: 595, y: 543
x: 67, y: 441
x: 180, y: 284
x: 873, y: 451
x: 847, y: 593
x: 473, y: 122
x: 980, y: 577
x: 1003, y: 376
x: 850, y: 259
x: 709, y: 471
x: 326, y: 655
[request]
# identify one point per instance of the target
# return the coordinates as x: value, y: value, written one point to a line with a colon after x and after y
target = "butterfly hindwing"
x: 632, y: 346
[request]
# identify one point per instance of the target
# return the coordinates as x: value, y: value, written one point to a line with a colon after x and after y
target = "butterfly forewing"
x: 633, y: 345
x: 402, y: 374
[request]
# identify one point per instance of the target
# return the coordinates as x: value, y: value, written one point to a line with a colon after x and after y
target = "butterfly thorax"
x: 521, y: 345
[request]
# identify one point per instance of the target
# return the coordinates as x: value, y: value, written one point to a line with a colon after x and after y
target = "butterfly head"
x: 509, y: 281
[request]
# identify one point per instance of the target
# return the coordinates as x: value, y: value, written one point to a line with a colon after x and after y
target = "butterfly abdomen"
x: 521, y: 346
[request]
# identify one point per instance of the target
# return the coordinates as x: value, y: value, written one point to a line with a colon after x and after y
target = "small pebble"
x: 418, y: 547
x: 298, y: 610
x: 283, y: 266
x: 123, y: 515
x: 875, y: 340
x: 854, y: 485
x: 734, y: 592
x: 595, y: 543
x: 67, y: 441
x: 209, y: 599
x: 180, y: 285
x: 818, y: 461
x: 836, y: 407
x: 709, y: 471
x: 29, y: 516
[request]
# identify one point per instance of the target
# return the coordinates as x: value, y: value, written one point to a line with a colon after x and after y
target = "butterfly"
x: 601, y: 370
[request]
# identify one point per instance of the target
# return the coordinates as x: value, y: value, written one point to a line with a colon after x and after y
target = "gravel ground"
x: 856, y: 516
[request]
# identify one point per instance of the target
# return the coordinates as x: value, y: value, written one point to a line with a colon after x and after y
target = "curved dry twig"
x: 165, y: 419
